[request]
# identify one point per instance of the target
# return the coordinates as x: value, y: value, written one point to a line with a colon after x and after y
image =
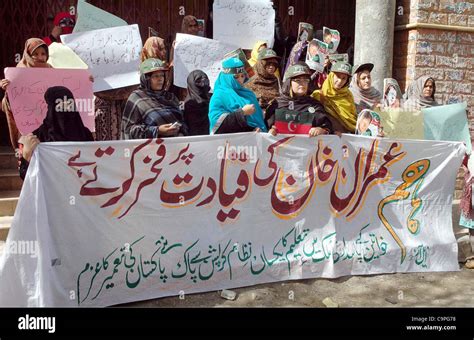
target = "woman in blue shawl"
x: 233, y: 108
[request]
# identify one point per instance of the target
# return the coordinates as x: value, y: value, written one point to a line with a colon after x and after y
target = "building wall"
x: 446, y: 55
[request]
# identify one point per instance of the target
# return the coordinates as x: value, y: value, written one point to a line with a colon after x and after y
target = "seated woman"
x: 337, y: 99
x: 62, y: 124
x: 421, y: 94
x: 233, y: 108
x: 295, y: 111
x: 196, y: 104
x: 265, y: 84
x: 365, y: 95
x: 151, y: 111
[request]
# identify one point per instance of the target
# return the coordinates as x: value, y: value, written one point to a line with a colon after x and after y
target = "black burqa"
x: 196, y: 104
x: 62, y: 123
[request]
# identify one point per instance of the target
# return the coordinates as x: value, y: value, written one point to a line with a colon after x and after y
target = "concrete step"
x: 10, y: 180
x: 7, y: 158
x: 5, y: 224
x: 8, y: 202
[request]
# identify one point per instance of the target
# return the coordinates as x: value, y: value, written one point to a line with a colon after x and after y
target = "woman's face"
x: 340, y: 80
x: 299, y: 86
x: 240, y: 78
x: 428, y: 90
x: 193, y: 28
x: 40, y: 55
x: 271, y: 65
x: 364, y: 124
x: 365, y: 80
x: 391, y: 95
x: 157, y: 80
x: 328, y: 38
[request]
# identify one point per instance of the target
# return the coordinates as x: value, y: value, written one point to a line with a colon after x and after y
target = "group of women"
x: 324, y: 103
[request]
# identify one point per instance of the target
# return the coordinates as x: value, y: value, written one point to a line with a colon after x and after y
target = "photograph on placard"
x: 392, y: 95
x: 368, y: 124
x: 316, y: 55
x: 201, y: 27
x: 332, y: 38
x: 305, y: 31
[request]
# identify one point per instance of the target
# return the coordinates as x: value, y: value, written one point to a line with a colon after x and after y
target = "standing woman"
x: 365, y: 95
x: 421, y: 94
x: 257, y: 47
x: 110, y: 104
x: 265, y: 84
x: 36, y: 54
x: 233, y: 108
x: 151, y: 111
x: 196, y: 105
x: 297, y: 102
x: 337, y: 98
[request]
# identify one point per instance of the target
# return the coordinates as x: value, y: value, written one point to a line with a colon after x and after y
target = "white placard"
x: 244, y: 22
x: 196, y: 53
x: 112, y: 54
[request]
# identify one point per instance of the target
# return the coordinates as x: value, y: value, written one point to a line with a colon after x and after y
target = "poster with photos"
x: 332, y: 38
x: 316, y: 55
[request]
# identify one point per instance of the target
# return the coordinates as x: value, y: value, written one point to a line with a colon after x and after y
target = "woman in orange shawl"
x: 337, y: 98
x: 35, y: 54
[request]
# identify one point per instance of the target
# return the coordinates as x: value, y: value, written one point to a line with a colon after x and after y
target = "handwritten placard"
x: 197, y: 53
x: 112, y: 54
x: 448, y: 123
x: 61, y: 56
x: 91, y: 18
x: 401, y: 124
x: 27, y: 88
x: 243, y: 23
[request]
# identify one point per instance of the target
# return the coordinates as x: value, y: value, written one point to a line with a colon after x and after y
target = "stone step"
x: 10, y: 180
x: 7, y: 158
x: 5, y: 223
x: 8, y: 202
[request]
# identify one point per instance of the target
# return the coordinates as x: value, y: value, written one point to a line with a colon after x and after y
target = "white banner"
x: 242, y: 23
x: 112, y: 54
x: 136, y: 220
x: 197, y: 53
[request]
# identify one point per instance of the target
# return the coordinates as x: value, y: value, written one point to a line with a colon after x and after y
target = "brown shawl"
x: 265, y: 86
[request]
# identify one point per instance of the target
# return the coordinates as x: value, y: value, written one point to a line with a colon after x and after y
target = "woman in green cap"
x: 295, y: 111
x: 151, y: 111
x: 337, y: 98
x: 233, y: 108
x: 265, y: 84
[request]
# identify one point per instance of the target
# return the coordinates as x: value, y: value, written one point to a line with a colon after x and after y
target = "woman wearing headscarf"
x: 265, y: 83
x: 257, y: 47
x: 307, y: 114
x: 62, y: 124
x: 365, y: 95
x: 233, y: 108
x: 337, y: 98
x: 421, y: 94
x: 64, y: 23
x: 151, y: 111
x: 110, y: 104
x: 196, y: 105
x: 35, y: 54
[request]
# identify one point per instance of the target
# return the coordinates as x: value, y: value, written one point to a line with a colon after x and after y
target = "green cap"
x: 267, y: 53
x: 152, y: 65
x: 359, y: 68
x: 297, y: 70
x: 342, y: 67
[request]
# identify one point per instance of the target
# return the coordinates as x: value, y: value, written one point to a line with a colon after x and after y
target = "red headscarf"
x: 66, y: 21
